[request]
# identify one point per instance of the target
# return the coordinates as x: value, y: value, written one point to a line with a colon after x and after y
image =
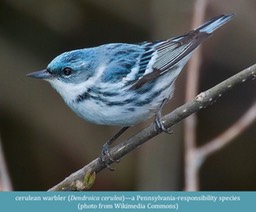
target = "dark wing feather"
x: 172, y: 52
x: 169, y: 53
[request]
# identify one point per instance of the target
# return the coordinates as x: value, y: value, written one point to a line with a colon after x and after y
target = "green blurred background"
x: 44, y: 141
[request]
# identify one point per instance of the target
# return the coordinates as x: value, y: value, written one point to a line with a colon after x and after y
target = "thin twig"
x: 191, y: 177
x: 74, y: 181
x: 226, y: 137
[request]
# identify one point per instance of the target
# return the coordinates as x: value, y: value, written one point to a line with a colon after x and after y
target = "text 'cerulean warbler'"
x: 124, y: 84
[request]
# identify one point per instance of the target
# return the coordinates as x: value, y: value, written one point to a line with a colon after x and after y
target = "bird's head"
x: 68, y: 71
x: 70, y: 67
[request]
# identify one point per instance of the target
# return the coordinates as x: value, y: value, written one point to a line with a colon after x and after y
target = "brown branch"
x: 76, y: 180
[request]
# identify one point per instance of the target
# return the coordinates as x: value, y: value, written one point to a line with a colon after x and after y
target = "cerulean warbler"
x: 124, y: 84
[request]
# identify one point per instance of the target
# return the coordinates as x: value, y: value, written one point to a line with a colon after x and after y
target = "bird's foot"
x: 106, y: 159
x: 160, y: 127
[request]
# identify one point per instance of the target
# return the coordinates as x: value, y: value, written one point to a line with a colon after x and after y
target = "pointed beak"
x: 43, y: 74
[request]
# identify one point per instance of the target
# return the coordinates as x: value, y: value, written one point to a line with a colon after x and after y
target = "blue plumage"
x: 121, y: 59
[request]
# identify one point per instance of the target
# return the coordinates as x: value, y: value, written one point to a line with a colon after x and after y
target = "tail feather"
x: 214, y: 23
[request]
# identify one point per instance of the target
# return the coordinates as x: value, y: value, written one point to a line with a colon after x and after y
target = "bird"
x: 124, y: 84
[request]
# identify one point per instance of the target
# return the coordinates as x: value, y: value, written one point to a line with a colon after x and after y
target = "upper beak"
x: 43, y: 74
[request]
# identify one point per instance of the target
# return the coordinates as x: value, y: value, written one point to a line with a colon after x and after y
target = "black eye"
x: 67, y: 71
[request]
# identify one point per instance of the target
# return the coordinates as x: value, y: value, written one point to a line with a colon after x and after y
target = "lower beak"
x: 43, y: 74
